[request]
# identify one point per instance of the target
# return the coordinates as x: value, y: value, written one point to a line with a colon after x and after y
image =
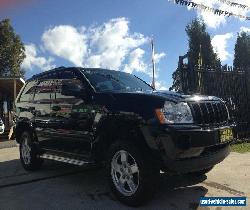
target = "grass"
x: 241, y: 148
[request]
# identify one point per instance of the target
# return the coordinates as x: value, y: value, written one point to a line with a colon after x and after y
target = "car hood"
x: 181, y: 97
x: 142, y: 102
x: 167, y: 95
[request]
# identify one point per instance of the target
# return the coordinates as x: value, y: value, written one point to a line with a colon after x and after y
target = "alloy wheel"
x: 125, y: 173
x: 26, y: 151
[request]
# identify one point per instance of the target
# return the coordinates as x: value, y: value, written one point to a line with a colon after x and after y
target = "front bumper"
x: 204, y: 161
x: 189, y: 149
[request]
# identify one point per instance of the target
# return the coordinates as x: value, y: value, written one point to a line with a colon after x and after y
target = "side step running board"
x: 64, y: 159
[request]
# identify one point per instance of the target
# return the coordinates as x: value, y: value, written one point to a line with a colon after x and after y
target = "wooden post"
x: 11, y: 112
x: 247, y: 74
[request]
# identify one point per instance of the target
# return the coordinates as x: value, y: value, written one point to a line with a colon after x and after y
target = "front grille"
x: 212, y: 112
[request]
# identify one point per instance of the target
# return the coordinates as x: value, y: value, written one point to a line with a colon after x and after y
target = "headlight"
x: 174, y: 113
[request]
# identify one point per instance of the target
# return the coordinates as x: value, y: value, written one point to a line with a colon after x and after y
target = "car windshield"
x: 107, y: 80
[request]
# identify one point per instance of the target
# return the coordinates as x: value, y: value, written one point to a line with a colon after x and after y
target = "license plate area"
x: 226, y: 135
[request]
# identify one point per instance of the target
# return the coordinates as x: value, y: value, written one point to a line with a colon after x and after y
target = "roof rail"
x: 46, y: 72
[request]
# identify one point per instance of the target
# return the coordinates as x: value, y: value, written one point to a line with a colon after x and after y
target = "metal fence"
x: 232, y: 85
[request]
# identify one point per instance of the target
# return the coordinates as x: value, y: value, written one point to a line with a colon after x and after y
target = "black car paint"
x: 84, y: 134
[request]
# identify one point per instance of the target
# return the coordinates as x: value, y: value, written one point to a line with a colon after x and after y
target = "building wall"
x: 7, y: 99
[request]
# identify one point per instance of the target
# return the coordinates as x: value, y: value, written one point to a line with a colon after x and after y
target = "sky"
x: 116, y: 34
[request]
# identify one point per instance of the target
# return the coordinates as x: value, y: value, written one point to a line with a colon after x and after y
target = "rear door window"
x: 66, y: 76
x: 45, y: 91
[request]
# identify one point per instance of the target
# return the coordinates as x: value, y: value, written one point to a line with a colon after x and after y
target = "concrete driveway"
x: 61, y: 186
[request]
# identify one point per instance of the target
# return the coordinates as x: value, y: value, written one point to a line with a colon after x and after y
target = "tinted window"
x: 45, y: 91
x: 49, y: 89
x: 68, y: 104
x: 106, y: 80
x: 67, y: 76
x: 59, y: 94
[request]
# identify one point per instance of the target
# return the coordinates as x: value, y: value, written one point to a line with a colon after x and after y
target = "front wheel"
x: 28, y: 153
x: 131, y: 176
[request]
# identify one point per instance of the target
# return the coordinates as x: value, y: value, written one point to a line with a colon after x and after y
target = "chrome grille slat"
x: 217, y: 117
x: 210, y: 112
x: 213, y: 112
x: 219, y: 111
x: 201, y: 112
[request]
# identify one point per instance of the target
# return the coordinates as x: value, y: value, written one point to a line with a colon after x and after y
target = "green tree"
x: 176, y: 76
x: 12, y: 52
x: 242, y: 51
x: 200, y: 42
x: 199, y: 47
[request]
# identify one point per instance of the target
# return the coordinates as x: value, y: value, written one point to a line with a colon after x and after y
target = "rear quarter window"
x: 28, y: 92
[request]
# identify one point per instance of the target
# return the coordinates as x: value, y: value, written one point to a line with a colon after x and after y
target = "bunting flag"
x: 233, y: 4
x: 209, y: 9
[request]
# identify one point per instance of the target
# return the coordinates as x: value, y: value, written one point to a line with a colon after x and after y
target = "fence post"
x: 247, y: 74
x: 183, y: 71
x: 180, y: 67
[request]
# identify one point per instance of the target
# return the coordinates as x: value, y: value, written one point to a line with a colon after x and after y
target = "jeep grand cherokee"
x: 85, y: 116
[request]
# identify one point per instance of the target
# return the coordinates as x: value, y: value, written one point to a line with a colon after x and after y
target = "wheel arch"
x: 123, y: 127
x: 22, y: 127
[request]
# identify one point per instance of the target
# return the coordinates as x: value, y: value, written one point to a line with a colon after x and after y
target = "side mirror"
x: 69, y: 88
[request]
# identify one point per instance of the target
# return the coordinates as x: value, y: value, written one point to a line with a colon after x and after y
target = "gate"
x: 232, y: 85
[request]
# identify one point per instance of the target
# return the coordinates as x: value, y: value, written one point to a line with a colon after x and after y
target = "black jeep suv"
x: 85, y: 116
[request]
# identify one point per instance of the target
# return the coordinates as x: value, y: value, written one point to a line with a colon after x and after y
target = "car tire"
x: 29, y: 155
x: 131, y: 175
x: 202, y: 172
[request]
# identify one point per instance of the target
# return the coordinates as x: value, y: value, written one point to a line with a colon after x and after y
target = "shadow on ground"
x: 61, y: 186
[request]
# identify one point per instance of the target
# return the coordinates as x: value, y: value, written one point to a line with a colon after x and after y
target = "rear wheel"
x: 28, y: 153
x: 131, y: 176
